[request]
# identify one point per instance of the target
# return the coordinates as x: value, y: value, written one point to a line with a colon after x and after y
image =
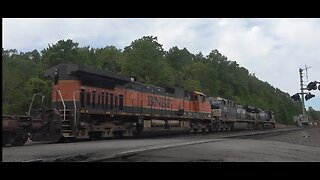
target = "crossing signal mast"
x: 309, y: 87
x: 301, y: 88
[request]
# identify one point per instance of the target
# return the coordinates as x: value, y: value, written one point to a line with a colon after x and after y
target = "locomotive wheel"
x: 97, y: 135
x: 65, y: 140
x: 61, y: 139
x: 20, y: 140
x: 232, y: 127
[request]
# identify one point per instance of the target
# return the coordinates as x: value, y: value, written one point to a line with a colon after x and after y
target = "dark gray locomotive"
x: 228, y: 114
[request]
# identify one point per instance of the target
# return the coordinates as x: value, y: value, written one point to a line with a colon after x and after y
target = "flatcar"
x: 15, y: 129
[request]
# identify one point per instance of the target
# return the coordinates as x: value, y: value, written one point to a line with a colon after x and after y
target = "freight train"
x: 87, y: 103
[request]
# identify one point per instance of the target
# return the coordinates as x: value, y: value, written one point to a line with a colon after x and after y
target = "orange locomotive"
x: 90, y: 103
x: 87, y: 103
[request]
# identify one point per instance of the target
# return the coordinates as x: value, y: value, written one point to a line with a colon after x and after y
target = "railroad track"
x: 223, y: 134
x: 193, y: 139
x: 124, y: 155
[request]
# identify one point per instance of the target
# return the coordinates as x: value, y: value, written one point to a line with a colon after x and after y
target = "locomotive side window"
x: 93, y: 99
x: 187, y: 95
x: 203, y: 98
x: 107, y: 100
x: 102, y: 100
x: 99, y: 100
x: 88, y: 98
x: 111, y: 101
x: 116, y: 102
x: 121, y: 102
x: 82, y: 98
x: 196, y: 98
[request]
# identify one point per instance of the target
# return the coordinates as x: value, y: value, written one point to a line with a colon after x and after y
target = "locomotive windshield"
x: 215, y: 104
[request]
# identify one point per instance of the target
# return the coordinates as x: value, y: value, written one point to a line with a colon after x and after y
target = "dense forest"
x: 145, y: 59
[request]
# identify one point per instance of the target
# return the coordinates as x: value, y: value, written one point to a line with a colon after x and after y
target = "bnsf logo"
x: 159, y: 102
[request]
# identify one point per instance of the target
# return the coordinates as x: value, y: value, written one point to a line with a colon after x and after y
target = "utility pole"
x: 302, y: 93
x: 302, y: 88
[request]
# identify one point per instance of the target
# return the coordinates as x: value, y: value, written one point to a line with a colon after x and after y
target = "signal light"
x: 56, y: 76
x: 296, y: 97
x: 312, y: 86
x: 309, y: 96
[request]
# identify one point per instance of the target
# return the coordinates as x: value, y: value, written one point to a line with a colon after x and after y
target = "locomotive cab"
x: 215, y: 104
x: 199, y: 101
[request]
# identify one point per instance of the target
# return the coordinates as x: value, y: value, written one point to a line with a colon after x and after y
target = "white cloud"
x: 273, y: 49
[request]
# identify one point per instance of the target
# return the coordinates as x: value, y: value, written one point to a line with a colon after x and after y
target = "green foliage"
x: 62, y: 52
x: 177, y: 58
x: 315, y: 115
x: 108, y: 58
x: 36, y: 85
x: 145, y: 59
x: 17, y: 70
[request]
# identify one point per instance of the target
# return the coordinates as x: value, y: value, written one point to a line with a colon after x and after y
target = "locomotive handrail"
x: 29, y: 111
x: 75, y: 108
x: 64, y: 105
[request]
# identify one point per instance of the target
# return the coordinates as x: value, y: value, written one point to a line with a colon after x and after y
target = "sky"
x: 273, y: 49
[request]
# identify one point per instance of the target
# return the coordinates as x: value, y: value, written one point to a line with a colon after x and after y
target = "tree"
x: 17, y: 68
x: 315, y: 115
x: 61, y: 52
x: 144, y: 59
x: 109, y: 58
x: 177, y: 58
x: 31, y: 56
x: 191, y: 74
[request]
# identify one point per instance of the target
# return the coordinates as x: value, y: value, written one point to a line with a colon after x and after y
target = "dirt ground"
x: 307, y: 136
